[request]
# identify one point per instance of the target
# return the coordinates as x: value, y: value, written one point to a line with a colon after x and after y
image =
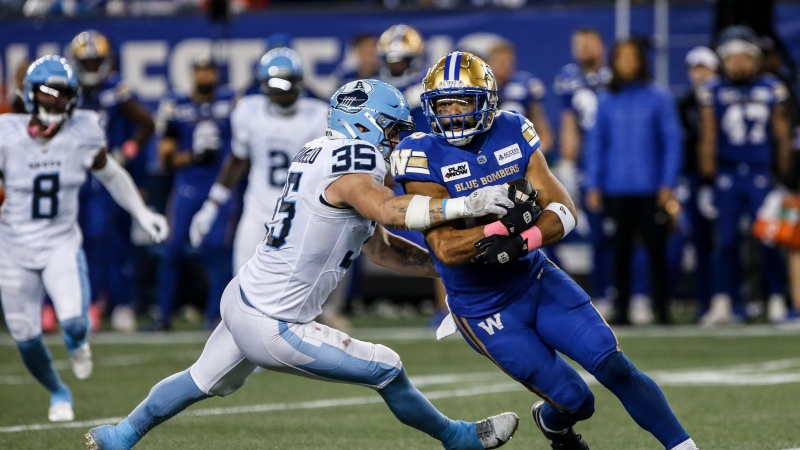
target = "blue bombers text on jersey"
x: 495, y: 157
x: 743, y: 114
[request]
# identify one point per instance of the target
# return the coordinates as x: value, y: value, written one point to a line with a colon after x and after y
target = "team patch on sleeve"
x: 409, y: 161
x: 529, y: 133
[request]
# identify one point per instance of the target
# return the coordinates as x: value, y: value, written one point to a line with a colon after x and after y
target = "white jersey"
x: 42, y: 179
x: 310, y: 244
x: 270, y: 141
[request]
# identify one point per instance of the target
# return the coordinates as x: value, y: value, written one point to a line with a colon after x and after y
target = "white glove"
x: 705, y: 202
x: 486, y: 200
x: 154, y: 224
x: 202, y: 222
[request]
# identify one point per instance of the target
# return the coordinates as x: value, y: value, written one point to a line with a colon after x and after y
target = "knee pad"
x: 76, y: 328
x: 586, y: 410
x: 388, y: 367
x: 614, y: 368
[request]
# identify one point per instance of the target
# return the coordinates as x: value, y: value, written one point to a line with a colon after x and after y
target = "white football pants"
x: 246, y: 338
x: 64, y: 277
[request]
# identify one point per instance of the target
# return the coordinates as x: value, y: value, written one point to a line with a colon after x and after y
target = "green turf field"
x: 736, y: 388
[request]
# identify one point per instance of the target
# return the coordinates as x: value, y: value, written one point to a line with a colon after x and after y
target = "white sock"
x: 686, y: 445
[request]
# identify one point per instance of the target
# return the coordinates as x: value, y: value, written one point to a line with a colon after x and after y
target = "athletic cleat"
x: 123, y: 318
x: 105, y: 437
x: 567, y: 440
x: 495, y: 431
x: 61, y: 412
x: 81, y: 361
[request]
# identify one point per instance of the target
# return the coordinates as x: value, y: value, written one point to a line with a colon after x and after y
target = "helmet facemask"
x: 459, y: 114
x: 92, y: 71
x: 53, y: 104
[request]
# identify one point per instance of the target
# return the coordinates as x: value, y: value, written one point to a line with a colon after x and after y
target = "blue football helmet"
x: 51, y: 75
x: 280, y: 75
x: 372, y: 111
x: 460, y: 78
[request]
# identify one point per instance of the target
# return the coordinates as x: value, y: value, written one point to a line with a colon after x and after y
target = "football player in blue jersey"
x: 576, y: 86
x: 519, y: 91
x: 744, y: 135
x: 196, y: 139
x: 401, y: 59
x: 510, y: 303
x: 129, y: 127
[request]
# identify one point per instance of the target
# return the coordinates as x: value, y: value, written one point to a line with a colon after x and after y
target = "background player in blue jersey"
x: 519, y: 91
x: 106, y: 226
x: 518, y: 309
x: 401, y: 59
x: 744, y: 135
x: 196, y: 139
x: 576, y: 85
x: 701, y: 64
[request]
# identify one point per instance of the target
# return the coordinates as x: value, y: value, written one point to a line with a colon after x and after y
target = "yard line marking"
x: 404, y: 334
x: 451, y: 393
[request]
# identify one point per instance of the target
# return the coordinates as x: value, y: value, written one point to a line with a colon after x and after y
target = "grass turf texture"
x: 717, y: 382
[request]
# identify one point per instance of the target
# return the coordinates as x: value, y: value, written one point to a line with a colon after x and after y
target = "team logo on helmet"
x: 353, y: 96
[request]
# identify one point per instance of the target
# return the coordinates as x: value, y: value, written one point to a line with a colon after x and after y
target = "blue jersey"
x: 577, y: 91
x: 106, y: 99
x: 743, y: 114
x: 520, y: 92
x: 195, y: 125
x: 495, y: 157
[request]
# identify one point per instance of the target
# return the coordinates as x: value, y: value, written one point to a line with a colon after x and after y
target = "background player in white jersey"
x: 44, y: 157
x: 334, y: 204
x: 268, y: 131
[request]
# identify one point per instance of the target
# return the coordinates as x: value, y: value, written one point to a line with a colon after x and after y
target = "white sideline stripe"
x: 452, y: 393
x: 729, y: 376
x: 421, y: 334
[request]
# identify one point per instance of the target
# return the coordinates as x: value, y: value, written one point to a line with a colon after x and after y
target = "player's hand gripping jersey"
x: 42, y: 179
x: 310, y: 244
x: 493, y: 158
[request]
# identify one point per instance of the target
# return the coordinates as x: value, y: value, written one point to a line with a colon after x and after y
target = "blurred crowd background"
x: 610, y: 86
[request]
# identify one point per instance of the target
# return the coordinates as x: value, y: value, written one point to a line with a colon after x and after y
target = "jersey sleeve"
x: 536, y: 90
x: 705, y: 94
x: 240, y: 146
x: 354, y: 156
x: 410, y: 160
x: 94, y: 136
x: 779, y: 91
x: 526, y: 129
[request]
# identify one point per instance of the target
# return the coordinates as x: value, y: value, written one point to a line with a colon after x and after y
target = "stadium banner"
x: 155, y: 53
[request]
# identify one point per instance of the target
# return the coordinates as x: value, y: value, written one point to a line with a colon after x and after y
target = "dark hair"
x: 363, y: 37
x: 589, y: 30
x: 638, y: 44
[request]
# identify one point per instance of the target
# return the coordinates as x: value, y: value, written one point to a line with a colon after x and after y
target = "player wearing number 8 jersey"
x: 333, y: 205
x: 744, y: 134
x: 44, y: 156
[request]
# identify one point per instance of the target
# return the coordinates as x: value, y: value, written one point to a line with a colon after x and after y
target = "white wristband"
x: 418, y: 215
x: 566, y: 217
x: 219, y: 194
x: 453, y: 208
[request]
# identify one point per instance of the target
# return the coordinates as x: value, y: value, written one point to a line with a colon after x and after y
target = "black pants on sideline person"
x: 639, y: 216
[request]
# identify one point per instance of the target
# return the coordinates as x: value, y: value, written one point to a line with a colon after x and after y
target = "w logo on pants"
x: 491, y: 323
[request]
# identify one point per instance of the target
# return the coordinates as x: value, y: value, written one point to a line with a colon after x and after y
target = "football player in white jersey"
x: 268, y: 131
x: 44, y: 156
x: 333, y: 205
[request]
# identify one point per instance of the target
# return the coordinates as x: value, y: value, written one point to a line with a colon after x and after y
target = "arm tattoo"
x: 414, y: 256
